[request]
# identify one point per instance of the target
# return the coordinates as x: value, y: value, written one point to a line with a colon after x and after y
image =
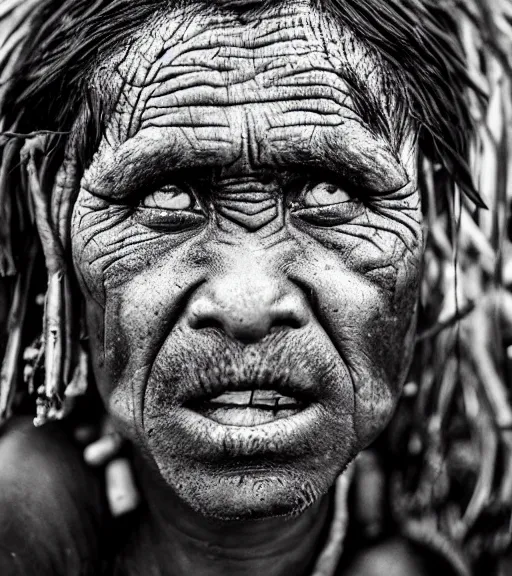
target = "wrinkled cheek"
x: 94, y: 233
x: 378, y: 366
x: 128, y: 327
x: 373, y: 330
x: 87, y: 274
x: 118, y: 337
x: 384, y: 365
x: 118, y: 324
x: 379, y: 389
x: 118, y: 385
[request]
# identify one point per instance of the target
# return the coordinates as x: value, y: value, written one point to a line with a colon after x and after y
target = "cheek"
x: 375, y: 341
x: 126, y: 334
x: 370, y: 318
x: 134, y: 282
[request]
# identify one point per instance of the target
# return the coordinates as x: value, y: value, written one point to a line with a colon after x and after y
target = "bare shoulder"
x: 50, y: 503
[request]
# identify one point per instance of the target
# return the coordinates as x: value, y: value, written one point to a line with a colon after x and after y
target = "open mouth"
x: 248, y: 407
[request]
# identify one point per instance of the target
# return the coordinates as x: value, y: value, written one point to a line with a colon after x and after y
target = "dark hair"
x: 416, y: 38
x: 48, y: 57
x: 50, y: 49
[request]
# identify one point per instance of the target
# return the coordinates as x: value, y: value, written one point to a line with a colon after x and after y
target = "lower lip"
x: 212, y: 440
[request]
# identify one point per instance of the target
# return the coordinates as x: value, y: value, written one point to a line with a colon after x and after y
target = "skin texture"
x: 250, y: 220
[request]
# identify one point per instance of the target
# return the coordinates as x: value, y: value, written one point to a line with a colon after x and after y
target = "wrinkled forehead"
x: 196, y: 47
x: 277, y: 86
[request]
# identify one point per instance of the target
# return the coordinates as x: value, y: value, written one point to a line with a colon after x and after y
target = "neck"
x: 185, y: 542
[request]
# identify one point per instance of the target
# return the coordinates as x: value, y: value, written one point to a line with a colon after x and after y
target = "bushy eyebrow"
x: 145, y: 163
x: 90, y: 129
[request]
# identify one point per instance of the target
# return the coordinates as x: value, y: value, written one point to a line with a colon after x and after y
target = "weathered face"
x: 248, y: 239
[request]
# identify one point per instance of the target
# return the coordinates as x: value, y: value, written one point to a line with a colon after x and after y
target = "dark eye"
x: 171, y: 209
x: 326, y: 204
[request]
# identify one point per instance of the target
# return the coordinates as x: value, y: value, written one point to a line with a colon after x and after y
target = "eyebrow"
x: 149, y: 168
x: 143, y: 163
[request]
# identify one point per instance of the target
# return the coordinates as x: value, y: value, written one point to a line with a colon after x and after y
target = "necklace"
x: 330, y: 555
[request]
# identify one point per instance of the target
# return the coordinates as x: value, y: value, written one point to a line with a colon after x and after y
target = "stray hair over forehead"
x: 417, y: 38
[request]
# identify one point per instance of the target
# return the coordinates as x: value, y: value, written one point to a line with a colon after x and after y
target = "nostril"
x: 286, y: 321
x: 203, y: 322
x: 247, y: 319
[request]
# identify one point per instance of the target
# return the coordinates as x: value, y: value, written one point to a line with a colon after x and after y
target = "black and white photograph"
x: 255, y: 287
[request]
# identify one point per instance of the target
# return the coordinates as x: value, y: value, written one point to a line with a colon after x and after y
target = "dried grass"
x: 454, y: 456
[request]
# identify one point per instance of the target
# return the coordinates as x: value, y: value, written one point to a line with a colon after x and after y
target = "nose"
x: 247, y: 310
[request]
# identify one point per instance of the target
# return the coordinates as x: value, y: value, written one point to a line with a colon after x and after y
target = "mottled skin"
x: 250, y: 219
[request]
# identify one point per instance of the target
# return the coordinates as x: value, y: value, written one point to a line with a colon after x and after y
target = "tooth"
x: 238, y: 398
x: 265, y: 397
x: 258, y: 398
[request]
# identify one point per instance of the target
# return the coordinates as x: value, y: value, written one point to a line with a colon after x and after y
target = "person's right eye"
x: 172, y: 208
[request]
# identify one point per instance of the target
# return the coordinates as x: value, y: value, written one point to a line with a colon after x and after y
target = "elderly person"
x: 226, y: 196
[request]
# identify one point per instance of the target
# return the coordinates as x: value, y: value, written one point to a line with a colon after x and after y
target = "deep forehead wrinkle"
x: 191, y: 69
x: 199, y: 36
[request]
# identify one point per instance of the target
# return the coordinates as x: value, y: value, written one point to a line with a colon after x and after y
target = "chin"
x: 250, y: 493
x: 271, y: 479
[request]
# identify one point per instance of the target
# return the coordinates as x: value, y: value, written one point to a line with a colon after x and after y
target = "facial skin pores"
x: 248, y: 238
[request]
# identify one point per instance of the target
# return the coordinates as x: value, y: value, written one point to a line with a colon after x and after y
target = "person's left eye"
x: 170, y: 209
x: 326, y: 204
x: 324, y: 194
